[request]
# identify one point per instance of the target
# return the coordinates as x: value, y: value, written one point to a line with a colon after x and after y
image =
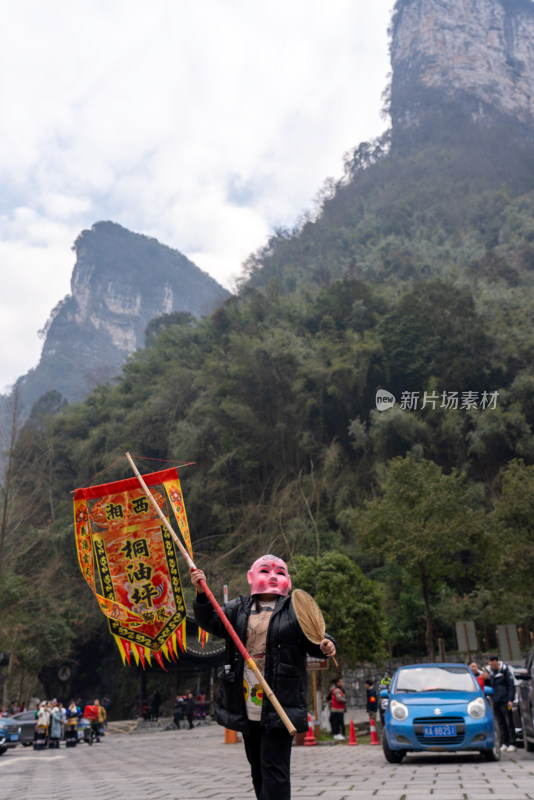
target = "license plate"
x: 439, y: 730
x: 14, y: 737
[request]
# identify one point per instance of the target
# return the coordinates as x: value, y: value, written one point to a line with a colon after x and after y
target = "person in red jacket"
x: 479, y: 675
x: 338, y: 706
x: 90, y: 712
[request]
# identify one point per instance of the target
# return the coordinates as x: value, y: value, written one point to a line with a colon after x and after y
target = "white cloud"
x: 204, y: 124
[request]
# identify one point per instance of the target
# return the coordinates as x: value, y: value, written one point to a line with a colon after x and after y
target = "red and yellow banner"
x: 128, y: 558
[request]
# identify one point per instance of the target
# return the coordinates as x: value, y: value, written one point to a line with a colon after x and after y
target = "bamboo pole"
x: 224, y: 619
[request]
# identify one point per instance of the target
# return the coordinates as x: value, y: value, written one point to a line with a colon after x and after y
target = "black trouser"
x: 505, y: 721
x: 190, y: 719
x: 337, y: 721
x: 269, y: 756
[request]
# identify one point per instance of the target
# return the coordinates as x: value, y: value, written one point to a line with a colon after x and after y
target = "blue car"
x: 9, y: 734
x: 438, y: 708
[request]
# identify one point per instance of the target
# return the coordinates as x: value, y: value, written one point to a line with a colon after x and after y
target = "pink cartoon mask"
x: 269, y: 575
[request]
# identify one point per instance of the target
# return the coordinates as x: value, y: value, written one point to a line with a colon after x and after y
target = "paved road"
x: 198, y: 765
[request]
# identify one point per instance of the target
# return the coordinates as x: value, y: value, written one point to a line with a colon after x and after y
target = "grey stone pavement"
x: 161, y: 764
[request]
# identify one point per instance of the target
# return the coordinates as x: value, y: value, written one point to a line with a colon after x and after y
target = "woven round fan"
x: 309, y: 616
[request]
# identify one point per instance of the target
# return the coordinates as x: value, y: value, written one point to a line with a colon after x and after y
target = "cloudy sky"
x: 203, y: 123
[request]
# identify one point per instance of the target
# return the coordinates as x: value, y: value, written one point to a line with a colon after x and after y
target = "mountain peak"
x: 476, y: 54
x: 120, y: 282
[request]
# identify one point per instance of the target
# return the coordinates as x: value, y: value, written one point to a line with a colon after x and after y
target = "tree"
x: 350, y: 602
x: 10, y: 519
x: 510, y: 556
x: 436, y: 331
x: 158, y: 324
x: 423, y: 521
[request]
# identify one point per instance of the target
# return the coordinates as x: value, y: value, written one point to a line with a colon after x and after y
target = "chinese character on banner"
x: 128, y: 558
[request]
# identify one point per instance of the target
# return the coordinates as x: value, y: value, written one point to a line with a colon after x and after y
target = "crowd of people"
x: 338, y: 703
x: 151, y: 706
x: 11, y: 708
x: 187, y: 707
x: 55, y: 722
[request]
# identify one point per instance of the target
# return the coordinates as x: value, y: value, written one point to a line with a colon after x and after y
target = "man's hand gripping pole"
x: 224, y: 619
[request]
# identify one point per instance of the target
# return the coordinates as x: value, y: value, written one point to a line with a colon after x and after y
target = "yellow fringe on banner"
x: 184, y: 642
x: 121, y: 649
x: 165, y: 652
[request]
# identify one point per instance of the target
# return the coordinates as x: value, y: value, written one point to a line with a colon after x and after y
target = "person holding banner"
x: 267, y: 625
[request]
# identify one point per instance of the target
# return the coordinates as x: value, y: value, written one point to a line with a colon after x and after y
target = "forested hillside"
x: 447, y: 198
x: 413, y: 275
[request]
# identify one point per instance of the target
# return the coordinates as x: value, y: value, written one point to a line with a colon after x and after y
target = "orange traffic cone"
x: 352, y: 734
x: 310, y: 740
x: 230, y: 737
x: 374, y: 737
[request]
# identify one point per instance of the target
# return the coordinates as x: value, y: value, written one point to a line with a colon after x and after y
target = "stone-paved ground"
x: 198, y: 765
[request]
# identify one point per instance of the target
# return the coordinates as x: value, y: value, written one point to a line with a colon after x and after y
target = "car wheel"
x: 529, y: 746
x: 393, y: 756
x: 495, y: 753
x: 2, y: 750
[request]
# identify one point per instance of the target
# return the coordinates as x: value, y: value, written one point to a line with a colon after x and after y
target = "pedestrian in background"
x: 154, y: 706
x: 502, y: 682
x: 42, y: 716
x: 385, y: 683
x: 372, y: 699
x: 329, y: 701
x: 479, y: 674
x: 338, y: 706
x: 201, y: 705
x: 90, y: 713
x: 56, y: 725
x: 73, y: 714
x: 101, y: 718
x: 190, y: 709
x: 178, y: 710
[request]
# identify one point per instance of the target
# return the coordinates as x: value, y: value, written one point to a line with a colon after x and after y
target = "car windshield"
x: 436, y: 679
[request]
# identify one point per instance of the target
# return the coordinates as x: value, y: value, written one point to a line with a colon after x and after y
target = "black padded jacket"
x: 502, y: 682
x: 285, y: 663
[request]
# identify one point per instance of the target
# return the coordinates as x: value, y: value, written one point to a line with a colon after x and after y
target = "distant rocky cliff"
x: 121, y: 281
x: 477, y: 53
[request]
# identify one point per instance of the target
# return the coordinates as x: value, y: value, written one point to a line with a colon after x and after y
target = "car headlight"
x: 476, y: 708
x: 398, y: 710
